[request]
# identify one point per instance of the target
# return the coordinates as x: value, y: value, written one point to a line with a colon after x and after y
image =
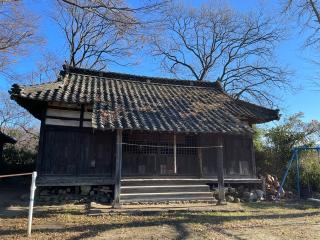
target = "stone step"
x: 134, y: 197
x: 164, y: 188
x: 162, y: 182
x: 168, y: 199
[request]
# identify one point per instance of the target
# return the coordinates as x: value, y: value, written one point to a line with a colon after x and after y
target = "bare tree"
x: 120, y: 12
x: 46, y: 69
x: 17, y: 31
x: 92, y: 42
x: 217, y: 41
x: 14, y: 117
x: 307, y: 13
x: 19, y: 124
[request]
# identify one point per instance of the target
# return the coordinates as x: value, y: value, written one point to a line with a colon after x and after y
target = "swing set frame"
x: 295, y: 157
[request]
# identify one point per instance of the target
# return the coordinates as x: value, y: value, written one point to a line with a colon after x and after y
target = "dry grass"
x: 250, y: 221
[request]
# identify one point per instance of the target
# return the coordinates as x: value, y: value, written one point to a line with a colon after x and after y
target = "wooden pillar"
x: 41, y: 144
x: 117, y: 177
x: 200, y: 162
x: 199, y: 140
x: 253, y: 159
x: 81, y: 115
x: 220, y: 170
x: 1, y: 150
x: 175, y: 153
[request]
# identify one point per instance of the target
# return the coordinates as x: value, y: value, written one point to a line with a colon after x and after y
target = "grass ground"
x: 244, y: 221
x: 234, y: 221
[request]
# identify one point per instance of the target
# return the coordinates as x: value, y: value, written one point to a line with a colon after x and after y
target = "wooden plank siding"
x: 153, y: 161
x: 239, y: 159
x: 156, y: 160
x: 209, y: 155
x: 76, y: 152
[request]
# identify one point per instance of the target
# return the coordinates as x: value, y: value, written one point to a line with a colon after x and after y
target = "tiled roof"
x: 6, y: 139
x: 122, y: 101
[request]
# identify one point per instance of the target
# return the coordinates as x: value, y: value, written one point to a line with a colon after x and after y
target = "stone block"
x: 85, y: 190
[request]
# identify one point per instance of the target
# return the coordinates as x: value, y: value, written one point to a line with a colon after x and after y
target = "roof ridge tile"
x: 141, y: 78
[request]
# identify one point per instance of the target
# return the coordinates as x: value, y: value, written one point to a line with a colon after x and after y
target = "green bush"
x: 17, y: 160
x: 274, y: 149
x: 310, y: 171
x: 19, y: 157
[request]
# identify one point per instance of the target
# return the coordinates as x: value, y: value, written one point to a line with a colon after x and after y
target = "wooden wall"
x: 238, y: 156
x: 153, y: 161
x: 209, y: 155
x: 158, y: 161
x: 70, y: 147
x: 146, y: 161
x: 83, y: 152
x: 76, y: 152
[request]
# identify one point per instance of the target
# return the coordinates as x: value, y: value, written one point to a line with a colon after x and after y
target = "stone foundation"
x: 75, y: 194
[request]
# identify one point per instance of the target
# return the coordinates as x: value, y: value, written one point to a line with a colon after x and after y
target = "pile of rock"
x: 77, y: 194
x: 241, y: 194
x: 253, y: 196
x: 232, y: 195
x: 102, y: 194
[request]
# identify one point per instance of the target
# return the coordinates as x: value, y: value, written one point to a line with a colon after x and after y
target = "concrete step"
x: 162, y: 182
x: 164, y: 188
x: 167, y: 199
x: 166, y: 195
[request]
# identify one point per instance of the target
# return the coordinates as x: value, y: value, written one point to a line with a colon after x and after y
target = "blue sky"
x: 305, y: 98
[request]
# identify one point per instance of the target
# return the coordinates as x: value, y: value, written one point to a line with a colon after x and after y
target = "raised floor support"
x: 117, y: 185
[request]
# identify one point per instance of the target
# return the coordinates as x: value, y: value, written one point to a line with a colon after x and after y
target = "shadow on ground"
x: 11, y: 190
x: 10, y: 193
x: 287, y: 204
x: 176, y: 220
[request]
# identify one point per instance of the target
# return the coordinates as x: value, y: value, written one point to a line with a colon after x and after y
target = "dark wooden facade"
x: 83, y: 153
x: 76, y: 152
